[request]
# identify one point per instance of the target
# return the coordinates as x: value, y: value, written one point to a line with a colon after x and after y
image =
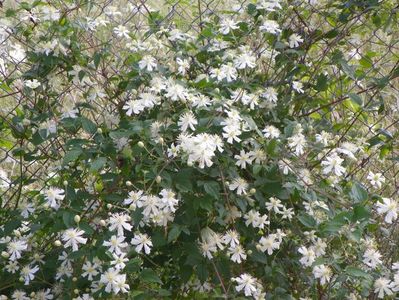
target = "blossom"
x: 243, y: 159
x: 295, y: 40
x: 240, y: 185
x: 119, y: 261
x: 376, y: 179
x: 297, y: 86
x: 227, y: 25
x: 142, y: 241
x: 148, y: 62
x: 297, y: 142
x: 323, y: 273
x: 382, y: 287
x: 372, y: 258
x: 231, y: 238
x: 245, y: 60
x: 237, y: 254
x: 247, y: 283
x: 390, y: 208
x: 28, y: 273
x: 274, y: 204
x: 33, y: 84
x: 271, y: 132
x: 53, y: 196
x: 72, y: 238
x: 270, y: 26
x: 115, y: 244
x: 109, y: 278
x: 15, y: 248
x: 90, y: 270
x: 332, y: 164
x: 121, y: 31
x: 119, y: 221
x: 187, y: 120
x: 268, y: 244
x: 308, y: 256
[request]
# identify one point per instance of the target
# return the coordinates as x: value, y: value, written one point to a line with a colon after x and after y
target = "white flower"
x: 187, y: 120
x: 109, y: 278
x: 119, y: 261
x: 53, y: 196
x: 322, y: 272
x: 308, y: 256
x: 297, y: 86
x: 148, y: 62
x: 15, y: 248
x: 207, y: 248
x: 297, y: 142
x: 231, y: 238
x: 382, y: 287
x: 120, y: 284
x: 245, y: 60
x: 376, y: 179
x: 372, y: 258
x: 268, y: 244
x: 120, y: 222
x: 243, y: 159
x: 270, y: 94
x: 271, y: 132
x: 90, y: 270
x: 332, y: 164
x: 134, y: 198
x: 390, y: 208
x: 229, y: 72
x: 142, y: 241
x: 270, y: 26
x: 176, y: 92
x: 294, y: 40
x: 227, y: 25
x: 237, y: 254
x: 121, y: 31
x: 33, y: 84
x: 240, y: 185
x: 184, y: 65
x: 18, y: 295
x: 168, y: 199
x: 73, y: 237
x: 28, y: 273
x: 247, y: 283
x: 274, y: 204
x: 133, y: 107
x: 115, y: 244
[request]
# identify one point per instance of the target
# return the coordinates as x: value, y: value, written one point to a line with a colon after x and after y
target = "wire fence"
x: 372, y: 46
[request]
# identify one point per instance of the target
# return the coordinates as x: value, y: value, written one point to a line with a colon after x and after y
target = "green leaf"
x: 97, y: 164
x: 67, y: 217
x: 71, y: 155
x: 212, y: 188
x: 149, y: 275
x: 356, y: 99
x: 174, y: 233
x: 307, y: 220
x: 356, y: 272
x: 358, y: 193
x: 88, y: 125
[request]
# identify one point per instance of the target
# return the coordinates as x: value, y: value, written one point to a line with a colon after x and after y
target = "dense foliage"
x: 251, y: 153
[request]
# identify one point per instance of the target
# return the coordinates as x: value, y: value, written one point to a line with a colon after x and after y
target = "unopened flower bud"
x: 102, y: 223
x: 5, y: 254
x: 33, y: 294
x: 57, y: 243
x: 65, y: 182
x: 161, y: 140
x: 99, y: 131
x: 129, y: 183
x: 26, y: 122
x: 74, y: 279
x: 76, y: 291
x: 140, y: 144
x: 158, y: 179
x: 109, y: 205
x: 249, y: 252
x: 77, y: 218
x: 252, y: 191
